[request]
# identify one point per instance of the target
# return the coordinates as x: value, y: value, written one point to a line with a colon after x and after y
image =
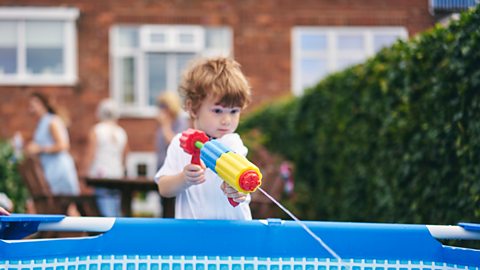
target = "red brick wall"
x: 262, y: 31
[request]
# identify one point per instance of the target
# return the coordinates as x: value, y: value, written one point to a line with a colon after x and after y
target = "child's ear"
x: 189, y: 109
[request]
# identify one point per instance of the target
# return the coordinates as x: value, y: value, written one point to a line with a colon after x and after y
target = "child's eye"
x: 235, y: 111
x: 217, y: 111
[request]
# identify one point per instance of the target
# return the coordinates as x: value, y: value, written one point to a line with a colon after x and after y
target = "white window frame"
x: 332, y: 54
x: 21, y: 16
x: 172, y: 44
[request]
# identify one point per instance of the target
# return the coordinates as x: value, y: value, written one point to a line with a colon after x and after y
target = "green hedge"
x: 395, y: 139
x: 10, y: 180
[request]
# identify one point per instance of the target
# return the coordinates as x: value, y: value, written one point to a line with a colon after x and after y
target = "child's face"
x: 216, y: 120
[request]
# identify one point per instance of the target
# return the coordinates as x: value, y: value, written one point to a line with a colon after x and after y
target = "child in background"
x: 214, y: 92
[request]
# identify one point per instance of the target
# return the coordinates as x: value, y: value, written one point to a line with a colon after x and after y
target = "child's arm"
x: 171, y: 185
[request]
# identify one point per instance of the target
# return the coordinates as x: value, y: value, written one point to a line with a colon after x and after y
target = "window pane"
x: 186, y: 38
x: 127, y: 80
x: 158, y: 38
x: 157, y: 75
x: 45, y: 34
x: 313, y: 42
x: 351, y: 42
x: 8, y: 47
x: 8, y: 34
x: 128, y: 37
x: 8, y: 60
x: 182, y: 61
x: 346, y: 62
x: 380, y: 41
x: 312, y: 70
x: 44, y: 46
x: 45, y: 61
x: 217, y: 38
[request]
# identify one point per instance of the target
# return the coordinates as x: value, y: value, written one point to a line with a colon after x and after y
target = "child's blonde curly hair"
x: 220, y: 77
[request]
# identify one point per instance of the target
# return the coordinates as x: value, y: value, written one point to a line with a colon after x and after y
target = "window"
x: 318, y: 51
x: 450, y: 6
x: 148, y: 59
x: 38, y: 46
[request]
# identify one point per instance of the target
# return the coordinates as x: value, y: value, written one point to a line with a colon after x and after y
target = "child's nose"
x: 225, y: 119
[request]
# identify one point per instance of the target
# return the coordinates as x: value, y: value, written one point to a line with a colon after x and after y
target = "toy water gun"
x: 233, y: 168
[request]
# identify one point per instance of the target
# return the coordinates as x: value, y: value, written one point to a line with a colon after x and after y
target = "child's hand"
x: 194, y: 174
x: 230, y: 192
x: 3, y: 212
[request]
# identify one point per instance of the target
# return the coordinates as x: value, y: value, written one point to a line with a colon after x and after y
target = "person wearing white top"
x: 205, y: 201
x: 214, y: 92
x: 105, y: 157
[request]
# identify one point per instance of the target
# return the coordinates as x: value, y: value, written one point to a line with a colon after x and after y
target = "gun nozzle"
x: 249, y: 180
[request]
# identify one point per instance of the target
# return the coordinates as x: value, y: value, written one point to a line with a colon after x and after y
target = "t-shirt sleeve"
x: 234, y: 142
x: 173, y: 160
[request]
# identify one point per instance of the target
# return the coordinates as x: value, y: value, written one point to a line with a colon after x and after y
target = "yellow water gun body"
x: 233, y: 168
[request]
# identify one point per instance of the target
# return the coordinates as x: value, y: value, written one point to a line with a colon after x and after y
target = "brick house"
x: 83, y: 51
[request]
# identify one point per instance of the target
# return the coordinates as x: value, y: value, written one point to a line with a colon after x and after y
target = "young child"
x: 214, y: 92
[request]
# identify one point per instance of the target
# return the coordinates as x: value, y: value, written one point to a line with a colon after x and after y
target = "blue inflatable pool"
x: 167, y: 244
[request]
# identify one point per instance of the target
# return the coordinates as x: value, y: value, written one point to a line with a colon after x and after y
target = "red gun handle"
x: 196, y: 158
x: 232, y: 202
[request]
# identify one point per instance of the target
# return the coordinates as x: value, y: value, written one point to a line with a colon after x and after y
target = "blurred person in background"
x: 105, y: 156
x: 171, y: 121
x: 51, y: 143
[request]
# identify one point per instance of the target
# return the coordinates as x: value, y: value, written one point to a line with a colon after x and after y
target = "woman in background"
x: 51, y: 143
x: 105, y: 156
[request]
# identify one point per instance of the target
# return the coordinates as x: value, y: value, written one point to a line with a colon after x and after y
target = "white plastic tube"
x: 79, y: 224
x: 452, y: 232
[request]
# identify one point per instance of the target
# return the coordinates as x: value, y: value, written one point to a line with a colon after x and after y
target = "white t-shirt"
x: 204, y: 201
x: 111, y: 142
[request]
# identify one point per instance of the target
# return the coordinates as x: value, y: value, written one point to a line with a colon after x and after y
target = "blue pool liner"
x: 375, y: 245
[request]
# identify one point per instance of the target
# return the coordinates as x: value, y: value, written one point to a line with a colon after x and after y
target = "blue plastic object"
x: 470, y: 226
x: 17, y: 226
x: 211, y: 152
x: 167, y: 244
